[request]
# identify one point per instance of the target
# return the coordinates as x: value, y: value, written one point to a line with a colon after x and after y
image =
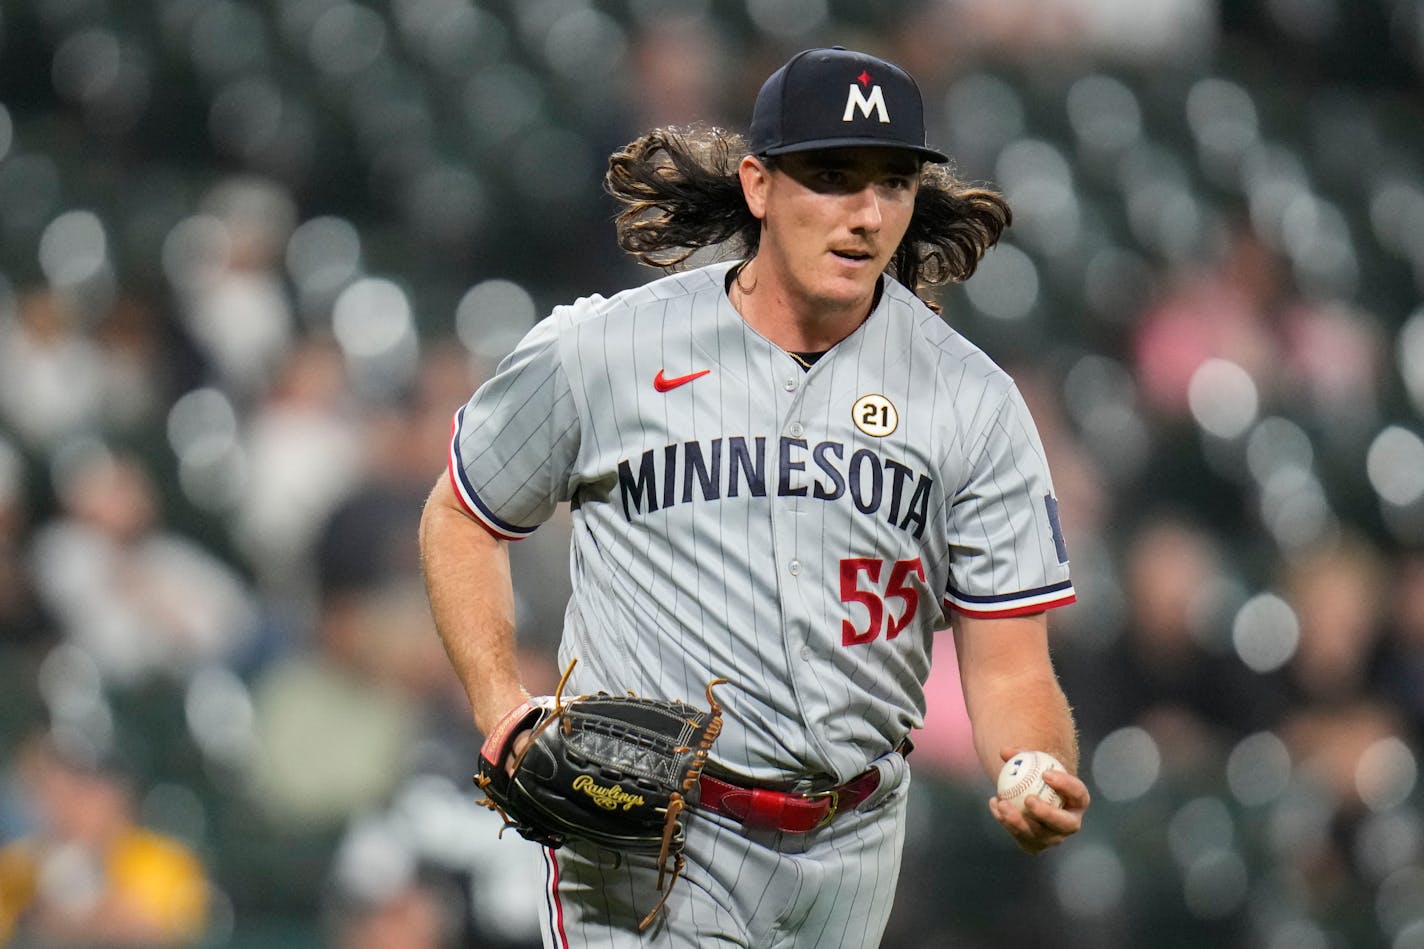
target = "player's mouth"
x: 854, y: 256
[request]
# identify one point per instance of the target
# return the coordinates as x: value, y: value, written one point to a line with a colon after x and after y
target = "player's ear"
x: 756, y: 177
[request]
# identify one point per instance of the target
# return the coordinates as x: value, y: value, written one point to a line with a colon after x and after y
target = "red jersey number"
x: 872, y: 596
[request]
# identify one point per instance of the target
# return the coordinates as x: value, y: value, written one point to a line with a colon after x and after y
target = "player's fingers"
x: 1040, y: 836
x: 1029, y: 835
x: 1038, y: 824
x: 1049, y: 821
x: 1018, y: 823
x: 1040, y: 844
x: 1069, y: 787
x: 516, y: 750
x: 1009, y: 815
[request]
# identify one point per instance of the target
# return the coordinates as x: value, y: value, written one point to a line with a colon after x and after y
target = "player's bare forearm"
x: 1011, y: 691
x: 1015, y: 703
x: 467, y: 578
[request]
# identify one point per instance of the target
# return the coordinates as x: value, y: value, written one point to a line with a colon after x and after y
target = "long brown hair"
x: 680, y: 192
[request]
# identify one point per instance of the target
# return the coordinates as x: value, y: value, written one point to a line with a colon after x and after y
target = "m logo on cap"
x: 855, y: 99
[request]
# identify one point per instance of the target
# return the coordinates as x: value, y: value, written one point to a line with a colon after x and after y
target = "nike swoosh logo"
x: 664, y: 384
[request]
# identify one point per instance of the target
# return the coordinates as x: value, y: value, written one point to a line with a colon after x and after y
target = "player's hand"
x: 516, y: 750
x: 496, y: 711
x: 1040, y: 825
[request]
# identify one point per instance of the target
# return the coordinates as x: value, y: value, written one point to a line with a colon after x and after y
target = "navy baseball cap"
x: 832, y: 98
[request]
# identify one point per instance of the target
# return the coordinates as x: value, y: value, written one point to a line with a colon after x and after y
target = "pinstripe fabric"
x: 743, y: 525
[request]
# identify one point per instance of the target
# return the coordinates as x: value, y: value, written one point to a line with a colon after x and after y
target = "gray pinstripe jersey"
x: 801, y: 533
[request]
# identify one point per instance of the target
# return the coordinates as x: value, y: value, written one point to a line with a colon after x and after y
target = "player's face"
x: 831, y: 219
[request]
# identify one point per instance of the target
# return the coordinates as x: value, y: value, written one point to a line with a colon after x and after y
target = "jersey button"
x: 796, y: 430
x: 790, y: 385
x: 806, y: 653
x: 794, y: 566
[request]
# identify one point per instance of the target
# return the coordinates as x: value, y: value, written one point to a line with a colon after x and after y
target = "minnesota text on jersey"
x: 876, y: 484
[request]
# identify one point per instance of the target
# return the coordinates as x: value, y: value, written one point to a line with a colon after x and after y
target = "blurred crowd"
x: 253, y: 255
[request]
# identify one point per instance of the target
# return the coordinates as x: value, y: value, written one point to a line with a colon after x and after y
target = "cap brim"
x: 929, y: 154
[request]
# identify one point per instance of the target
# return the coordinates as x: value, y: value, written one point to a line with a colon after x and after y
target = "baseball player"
x: 786, y: 470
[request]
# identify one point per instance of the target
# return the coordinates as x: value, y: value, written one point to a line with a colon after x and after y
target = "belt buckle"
x: 834, y: 796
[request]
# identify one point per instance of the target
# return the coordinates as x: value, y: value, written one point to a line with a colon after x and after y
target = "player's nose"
x: 865, y: 209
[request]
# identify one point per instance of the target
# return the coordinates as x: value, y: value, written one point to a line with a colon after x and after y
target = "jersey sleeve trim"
x: 1011, y: 604
x: 471, y: 499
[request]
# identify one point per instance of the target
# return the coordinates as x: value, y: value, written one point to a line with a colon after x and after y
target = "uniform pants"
x: 827, y: 889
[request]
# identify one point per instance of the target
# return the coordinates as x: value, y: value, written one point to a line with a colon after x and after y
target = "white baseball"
x: 1022, y: 775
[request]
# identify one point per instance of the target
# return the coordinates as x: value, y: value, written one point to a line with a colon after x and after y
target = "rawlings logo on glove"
x: 613, y: 770
x: 610, y: 798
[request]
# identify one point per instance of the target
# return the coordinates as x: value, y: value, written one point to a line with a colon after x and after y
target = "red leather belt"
x: 785, y: 811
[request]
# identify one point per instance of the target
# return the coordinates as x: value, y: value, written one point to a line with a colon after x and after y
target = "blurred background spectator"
x: 88, y: 874
x: 253, y: 254
x: 137, y: 598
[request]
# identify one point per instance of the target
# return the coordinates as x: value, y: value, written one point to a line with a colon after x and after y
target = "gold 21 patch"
x: 875, y: 415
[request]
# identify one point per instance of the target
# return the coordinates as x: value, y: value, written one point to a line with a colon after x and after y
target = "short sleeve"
x: 513, y: 444
x: 1008, y: 556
